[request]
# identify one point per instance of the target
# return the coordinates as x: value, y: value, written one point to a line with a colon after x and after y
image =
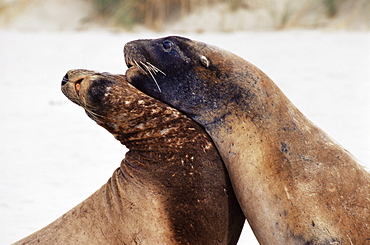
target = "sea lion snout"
x: 65, y: 79
x: 87, y: 89
x: 76, y: 75
x: 75, y: 82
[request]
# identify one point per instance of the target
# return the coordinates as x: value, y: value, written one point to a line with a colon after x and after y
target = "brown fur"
x: 171, y: 188
x: 294, y: 184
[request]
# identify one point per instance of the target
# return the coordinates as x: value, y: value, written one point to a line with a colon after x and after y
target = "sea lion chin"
x: 171, y: 187
x: 293, y: 182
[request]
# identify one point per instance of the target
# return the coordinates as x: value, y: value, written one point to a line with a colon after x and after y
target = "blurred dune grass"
x: 203, y: 15
x: 153, y: 14
x: 156, y: 14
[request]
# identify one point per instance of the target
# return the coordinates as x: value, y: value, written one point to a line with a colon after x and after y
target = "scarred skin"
x: 171, y: 188
x: 294, y: 183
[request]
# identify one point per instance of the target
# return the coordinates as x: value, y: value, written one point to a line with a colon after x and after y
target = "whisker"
x: 155, y: 82
x: 150, y: 70
x: 156, y: 69
x: 95, y: 116
x: 140, y: 66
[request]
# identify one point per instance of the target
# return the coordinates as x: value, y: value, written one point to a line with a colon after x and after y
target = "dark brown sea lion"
x: 293, y: 182
x: 171, y: 188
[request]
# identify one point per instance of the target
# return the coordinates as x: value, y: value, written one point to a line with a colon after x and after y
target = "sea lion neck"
x: 134, y: 118
x: 137, y: 120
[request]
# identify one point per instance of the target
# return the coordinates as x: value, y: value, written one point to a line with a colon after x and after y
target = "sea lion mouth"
x: 72, y: 85
x: 129, y: 64
x: 78, y: 86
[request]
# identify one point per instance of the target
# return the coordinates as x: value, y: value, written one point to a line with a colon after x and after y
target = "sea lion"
x: 294, y: 183
x: 171, y: 188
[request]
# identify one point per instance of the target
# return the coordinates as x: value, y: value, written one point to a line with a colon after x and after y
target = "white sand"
x: 53, y: 156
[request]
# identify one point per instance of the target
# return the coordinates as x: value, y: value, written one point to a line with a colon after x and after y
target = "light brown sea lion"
x: 294, y: 183
x: 171, y: 188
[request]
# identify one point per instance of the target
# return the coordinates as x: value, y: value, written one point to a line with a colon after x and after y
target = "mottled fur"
x: 171, y: 188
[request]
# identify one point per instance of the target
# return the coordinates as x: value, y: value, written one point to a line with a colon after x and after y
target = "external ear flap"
x: 205, y: 62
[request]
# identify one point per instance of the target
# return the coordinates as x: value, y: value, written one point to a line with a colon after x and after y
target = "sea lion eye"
x: 167, y: 45
x: 205, y: 62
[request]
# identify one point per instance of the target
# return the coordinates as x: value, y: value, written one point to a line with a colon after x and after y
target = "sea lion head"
x: 88, y: 89
x: 192, y: 76
x: 199, y: 79
x: 114, y: 103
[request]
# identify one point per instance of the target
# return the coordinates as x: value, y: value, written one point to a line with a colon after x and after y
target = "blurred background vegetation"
x: 153, y: 14
x: 201, y: 15
x: 156, y: 14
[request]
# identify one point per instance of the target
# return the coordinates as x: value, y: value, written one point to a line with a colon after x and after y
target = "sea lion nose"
x: 65, y: 79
